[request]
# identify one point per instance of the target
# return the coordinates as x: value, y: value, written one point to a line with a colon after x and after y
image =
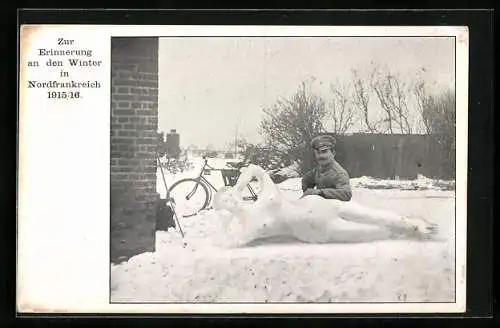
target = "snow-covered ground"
x: 377, y: 271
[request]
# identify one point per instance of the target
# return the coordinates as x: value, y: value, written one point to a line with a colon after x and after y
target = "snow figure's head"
x: 254, y: 172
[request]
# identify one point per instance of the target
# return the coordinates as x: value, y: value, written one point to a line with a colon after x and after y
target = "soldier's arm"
x: 308, y: 180
x: 342, y: 190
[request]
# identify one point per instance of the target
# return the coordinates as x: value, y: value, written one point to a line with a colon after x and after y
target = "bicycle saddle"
x: 236, y: 165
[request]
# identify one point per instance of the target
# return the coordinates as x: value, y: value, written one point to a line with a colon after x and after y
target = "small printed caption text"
x: 66, y: 60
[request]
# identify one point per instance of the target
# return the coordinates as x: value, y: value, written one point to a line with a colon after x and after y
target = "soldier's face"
x: 324, y: 155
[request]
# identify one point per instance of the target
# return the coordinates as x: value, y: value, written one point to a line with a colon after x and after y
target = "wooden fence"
x: 396, y: 155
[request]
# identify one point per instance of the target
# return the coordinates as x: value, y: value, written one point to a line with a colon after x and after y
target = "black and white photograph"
x: 283, y: 169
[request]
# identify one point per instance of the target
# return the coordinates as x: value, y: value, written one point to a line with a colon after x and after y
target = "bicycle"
x: 187, y: 190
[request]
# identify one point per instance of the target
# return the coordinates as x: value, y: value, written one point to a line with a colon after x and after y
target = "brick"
x: 145, y: 155
x: 125, y: 90
x: 141, y: 198
x: 122, y: 140
x: 122, y: 169
x: 152, y: 120
x: 129, y: 162
x: 122, y: 82
x: 146, y: 141
x: 151, y: 164
x: 116, y: 126
x: 138, y: 104
x: 147, y: 98
x: 148, y: 76
x: 148, y: 148
x: 127, y: 133
x: 143, y: 91
x: 134, y: 176
x: 145, y: 112
x: 123, y: 104
x: 124, y: 154
x: 149, y: 66
x: 127, y: 154
x: 124, y: 112
x: 153, y: 84
x: 150, y: 176
x: 138, y: 119
x: 123, y: 97
x: 120, y: 177
x: 141, y: 189
x: 124, y: 119
x: 143, y: 185
x: 126, y: 147
x: 149, y: 134
x: 125, y: 67
x: 128, y: 75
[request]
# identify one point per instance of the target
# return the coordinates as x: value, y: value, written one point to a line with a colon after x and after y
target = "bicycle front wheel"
x: 190, y: 196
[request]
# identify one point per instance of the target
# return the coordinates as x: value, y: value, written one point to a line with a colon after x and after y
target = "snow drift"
x: 227, y: 257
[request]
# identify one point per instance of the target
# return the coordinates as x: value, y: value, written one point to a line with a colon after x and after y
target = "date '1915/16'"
x: 63, y: 94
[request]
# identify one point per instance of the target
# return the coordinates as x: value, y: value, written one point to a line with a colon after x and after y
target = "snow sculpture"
x: 310, y: 219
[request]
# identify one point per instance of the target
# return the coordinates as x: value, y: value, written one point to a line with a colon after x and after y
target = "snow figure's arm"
x: 308, y: 180
x: 342, y: 190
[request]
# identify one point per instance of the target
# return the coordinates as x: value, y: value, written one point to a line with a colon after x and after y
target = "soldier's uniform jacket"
x: 333, y: 183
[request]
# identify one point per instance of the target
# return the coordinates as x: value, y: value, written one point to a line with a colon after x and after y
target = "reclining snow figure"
x: 311, y: 219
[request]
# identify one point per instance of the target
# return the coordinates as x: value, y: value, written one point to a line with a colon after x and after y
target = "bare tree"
x: 423, y: 103
x: 240, y: 144
x: 393, y: 96
x: 290, y: 124
x: 343, y: 111
x: 361, y: 100
x: 438, y: 115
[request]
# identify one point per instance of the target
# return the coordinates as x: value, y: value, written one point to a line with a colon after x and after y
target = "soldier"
x: 328, y: 179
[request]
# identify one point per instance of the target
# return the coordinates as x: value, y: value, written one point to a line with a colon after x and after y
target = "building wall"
x: 134, y: 124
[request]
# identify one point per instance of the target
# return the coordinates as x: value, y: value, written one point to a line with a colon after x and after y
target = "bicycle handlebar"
x: 234, y: 165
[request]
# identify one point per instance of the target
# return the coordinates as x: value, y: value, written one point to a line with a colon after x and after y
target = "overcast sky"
x: 209, y: 87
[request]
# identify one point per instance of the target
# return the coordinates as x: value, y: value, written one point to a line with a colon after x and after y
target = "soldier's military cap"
x: 323, y: 141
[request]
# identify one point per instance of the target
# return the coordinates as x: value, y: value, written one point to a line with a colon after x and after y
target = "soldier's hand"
x: 310, y: 191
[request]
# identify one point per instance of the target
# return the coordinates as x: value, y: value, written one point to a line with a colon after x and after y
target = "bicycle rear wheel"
x: 190, y: 196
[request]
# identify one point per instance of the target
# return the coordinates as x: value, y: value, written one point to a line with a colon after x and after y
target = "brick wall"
x: 134, y: 124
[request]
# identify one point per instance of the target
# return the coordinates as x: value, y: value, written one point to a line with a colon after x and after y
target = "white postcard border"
x: 60, y: 273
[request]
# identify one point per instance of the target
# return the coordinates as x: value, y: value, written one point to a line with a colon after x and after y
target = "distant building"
x: 173, y: 144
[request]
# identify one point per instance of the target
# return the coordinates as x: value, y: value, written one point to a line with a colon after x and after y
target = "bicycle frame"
x: 201, y: 179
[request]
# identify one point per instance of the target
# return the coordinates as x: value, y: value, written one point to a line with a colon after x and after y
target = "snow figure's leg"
x: 232, y: 225
x: 249, y: 221
x: 313, y: 219
x: 352, y: 211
